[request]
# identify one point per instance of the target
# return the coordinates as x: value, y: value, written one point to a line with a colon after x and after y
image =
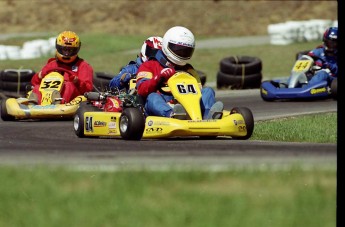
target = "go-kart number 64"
x: 184, y: 89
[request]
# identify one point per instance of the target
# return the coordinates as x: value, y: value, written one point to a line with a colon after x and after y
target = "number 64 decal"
x: 186, y: 88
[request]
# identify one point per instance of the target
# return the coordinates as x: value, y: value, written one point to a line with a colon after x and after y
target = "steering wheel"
x: 71, y: 76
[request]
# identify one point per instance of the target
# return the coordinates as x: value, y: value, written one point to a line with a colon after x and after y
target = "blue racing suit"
x: 328, y: 64
x: 121, y: 80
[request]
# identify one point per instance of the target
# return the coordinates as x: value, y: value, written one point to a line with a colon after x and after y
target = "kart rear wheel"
x: 4, y: 114
x: 78, y: 120
x: 132, y: 124
x: 249, y: 120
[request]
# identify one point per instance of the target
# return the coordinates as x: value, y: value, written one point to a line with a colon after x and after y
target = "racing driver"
x: 79, y: 78
x: 178, y: 47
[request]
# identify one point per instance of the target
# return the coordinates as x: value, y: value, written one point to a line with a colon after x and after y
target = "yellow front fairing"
x: 186, y: 91
x: 229, y: 125
x: 52, y: 81
x: 21, y: 108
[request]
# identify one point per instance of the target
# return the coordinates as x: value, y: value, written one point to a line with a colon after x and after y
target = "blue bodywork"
x: 275, y: 90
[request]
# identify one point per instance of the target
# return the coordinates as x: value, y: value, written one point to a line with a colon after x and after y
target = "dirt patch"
x: 208, y: 18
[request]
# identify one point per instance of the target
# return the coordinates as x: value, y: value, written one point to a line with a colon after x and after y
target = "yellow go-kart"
x: 49, y: 107
x: 130, y: 123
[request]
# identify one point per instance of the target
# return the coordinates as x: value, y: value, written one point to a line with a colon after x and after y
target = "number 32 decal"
x: 51, y: 84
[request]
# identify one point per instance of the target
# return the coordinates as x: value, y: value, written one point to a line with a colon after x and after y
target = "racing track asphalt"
x: 54, y: 143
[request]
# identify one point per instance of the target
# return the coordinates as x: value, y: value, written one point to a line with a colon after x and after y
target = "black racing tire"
x: 4, y: 114
x: 238, y: 82
x: 14, y: 86
x: 132, y: 124
x: 249, y: 120
x: 241, y: 65
x: 334, y: 89
x: 202, y: 76
x: 11, y: 75
x: 78, y: 119
x: 300, y: 53
x: 207, y: 137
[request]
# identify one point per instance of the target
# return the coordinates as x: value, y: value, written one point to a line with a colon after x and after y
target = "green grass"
x: 56, y: 197
x: 315, y: 128
x: 297, y: 196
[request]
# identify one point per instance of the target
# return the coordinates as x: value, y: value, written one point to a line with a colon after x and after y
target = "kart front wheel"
x: 132, y: 124
x: 4, y: 114
x: 248, y: 119
x: 78, y: 120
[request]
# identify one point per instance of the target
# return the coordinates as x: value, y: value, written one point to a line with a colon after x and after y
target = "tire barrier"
x: 239, y: 72
x: 240, y: 65
x: 15, y: 82
x: 15, y: 75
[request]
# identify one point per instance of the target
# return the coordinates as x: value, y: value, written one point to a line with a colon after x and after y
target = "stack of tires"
x: 15, y: 82
x: 239, y: 72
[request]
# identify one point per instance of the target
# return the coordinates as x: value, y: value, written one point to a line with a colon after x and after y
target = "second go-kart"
x: 130, y: 122
x: 297, y: 87
x: 49, y: 107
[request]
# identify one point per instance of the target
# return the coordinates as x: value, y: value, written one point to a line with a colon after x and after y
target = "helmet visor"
x: 67, y: 51
x: 180, y: 51
x: 150, y: 52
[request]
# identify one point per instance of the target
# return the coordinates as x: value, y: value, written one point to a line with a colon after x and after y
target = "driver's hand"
x: 167, y: 73
x: 75, y: 80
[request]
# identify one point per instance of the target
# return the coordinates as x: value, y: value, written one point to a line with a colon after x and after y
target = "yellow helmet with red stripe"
x: 67, y: 46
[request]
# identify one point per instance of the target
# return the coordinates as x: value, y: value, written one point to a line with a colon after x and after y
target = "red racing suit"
x: 147, y: 72
x: 79, y: 82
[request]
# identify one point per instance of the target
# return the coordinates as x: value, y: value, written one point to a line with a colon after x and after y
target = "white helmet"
x: 178, y: 45
x: 150, y: 47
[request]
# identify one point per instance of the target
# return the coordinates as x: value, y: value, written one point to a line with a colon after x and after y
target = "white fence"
x: 298, y: 31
